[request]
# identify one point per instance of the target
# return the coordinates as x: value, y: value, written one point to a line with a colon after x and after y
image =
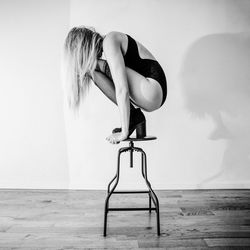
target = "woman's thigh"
x: 145, y: 92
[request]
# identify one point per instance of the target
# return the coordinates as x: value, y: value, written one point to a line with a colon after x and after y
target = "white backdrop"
x: 202, y: 129
x: 33, y: 151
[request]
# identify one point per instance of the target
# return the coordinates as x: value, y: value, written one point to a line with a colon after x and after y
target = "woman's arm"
x: 113, y: 54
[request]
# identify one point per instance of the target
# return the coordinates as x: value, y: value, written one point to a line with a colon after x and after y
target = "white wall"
x: 202, y: 129
x: 190, y: 151
x: 32, y: 130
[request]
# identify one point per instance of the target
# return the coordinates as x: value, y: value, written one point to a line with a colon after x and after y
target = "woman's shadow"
x: 215, y: 81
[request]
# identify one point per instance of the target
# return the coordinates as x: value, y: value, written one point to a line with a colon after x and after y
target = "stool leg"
x: 111, y: 183
x: 149, y: 201
x: 108, y: 190
x: 152, y: 193
x: 112, y: 190
x: 142, y: 170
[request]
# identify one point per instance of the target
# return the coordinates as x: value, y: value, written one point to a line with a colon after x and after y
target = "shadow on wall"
x: 215, y: 81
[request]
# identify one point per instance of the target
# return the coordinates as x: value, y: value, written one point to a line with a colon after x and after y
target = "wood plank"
x: 228, y: 242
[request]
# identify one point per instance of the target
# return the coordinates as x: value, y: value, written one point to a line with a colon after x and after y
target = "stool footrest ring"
x: 131, y: 209
x: 131, y: 192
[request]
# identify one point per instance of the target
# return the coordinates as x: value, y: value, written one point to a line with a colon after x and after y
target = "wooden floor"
x: 62, y: 219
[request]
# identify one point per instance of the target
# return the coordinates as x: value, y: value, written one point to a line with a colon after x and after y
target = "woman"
x: 130, y: 73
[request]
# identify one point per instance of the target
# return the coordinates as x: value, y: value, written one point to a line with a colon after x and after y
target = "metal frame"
x: 151, y: 193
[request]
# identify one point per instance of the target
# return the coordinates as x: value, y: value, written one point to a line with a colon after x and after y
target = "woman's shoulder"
x: 115, y: 39
x: 114, y: 36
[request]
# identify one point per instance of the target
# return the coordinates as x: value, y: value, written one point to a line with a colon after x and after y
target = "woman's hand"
x: 117, y: 137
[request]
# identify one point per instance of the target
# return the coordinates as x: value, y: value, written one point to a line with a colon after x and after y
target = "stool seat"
x: 146, y: 138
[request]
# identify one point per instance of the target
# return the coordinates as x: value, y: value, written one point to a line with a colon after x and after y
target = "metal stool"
x: 151, y: 193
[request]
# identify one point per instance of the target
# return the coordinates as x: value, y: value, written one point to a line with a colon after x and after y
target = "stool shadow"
x: 215, y: 81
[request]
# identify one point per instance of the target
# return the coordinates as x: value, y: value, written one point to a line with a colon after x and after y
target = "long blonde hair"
x: 82, y: 48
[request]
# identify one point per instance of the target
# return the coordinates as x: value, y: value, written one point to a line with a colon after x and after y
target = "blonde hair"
x: 81, y: 49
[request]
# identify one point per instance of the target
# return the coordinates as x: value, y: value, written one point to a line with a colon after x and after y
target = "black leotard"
x: 146, y: 67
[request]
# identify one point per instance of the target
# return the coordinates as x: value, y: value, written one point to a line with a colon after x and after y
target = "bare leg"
x: 103, y: 80
x: 145, y: 92
x: 105, y: 85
